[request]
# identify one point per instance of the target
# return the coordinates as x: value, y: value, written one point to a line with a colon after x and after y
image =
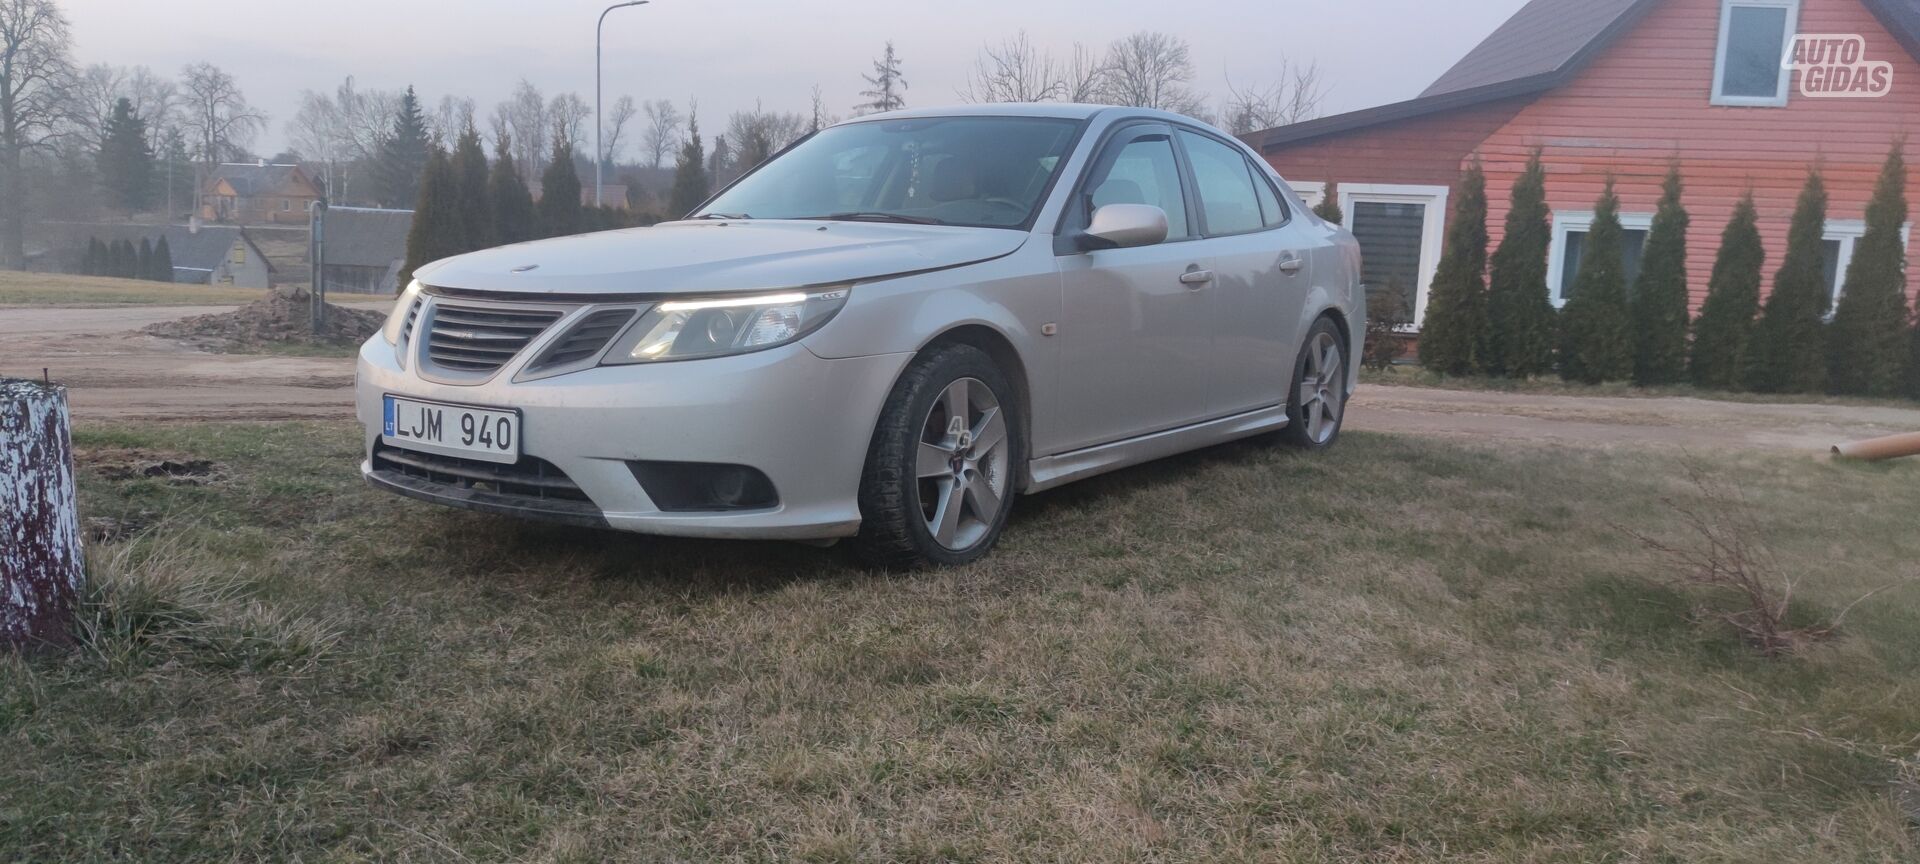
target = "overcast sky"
x: 732, y: 53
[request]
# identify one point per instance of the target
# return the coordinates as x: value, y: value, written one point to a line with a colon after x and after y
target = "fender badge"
x: 524, y: 268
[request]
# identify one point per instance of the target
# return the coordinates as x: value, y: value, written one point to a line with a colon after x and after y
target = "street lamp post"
x: 599, y: 157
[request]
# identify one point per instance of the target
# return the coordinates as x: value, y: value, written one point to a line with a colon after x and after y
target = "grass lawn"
x: 53, y: 289
x: 1400, y: 650
x: 1416, y: 376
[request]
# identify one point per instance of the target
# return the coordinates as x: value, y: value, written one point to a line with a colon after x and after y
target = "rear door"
x: 1136, y: 334
x: 1262, y: 269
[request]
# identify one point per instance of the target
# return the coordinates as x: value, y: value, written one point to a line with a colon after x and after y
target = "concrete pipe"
x: 1877, y: 449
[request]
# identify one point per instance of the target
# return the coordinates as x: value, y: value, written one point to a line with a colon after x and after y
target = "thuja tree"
x: 1520, y: 335
x: 1453, y: 338
x: 1788, y: 353
x: 512, y: 203
x: 437, y: 230
x: 1868, y: 340
x: 1659, y: 302
x: 1595, y: 345
x: 1329, y: 208
x: 1725, y: 326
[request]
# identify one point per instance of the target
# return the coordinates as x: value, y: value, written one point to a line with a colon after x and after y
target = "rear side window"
x: 1145, y: 172
x: 1226, y: 187
x: 1272, y: 212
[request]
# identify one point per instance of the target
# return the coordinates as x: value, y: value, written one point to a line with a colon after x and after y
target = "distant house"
x: 255, y: 193
x: 364, y: 249
x: 202, y: 254
x: 1622, y: 89
x: 611, y: 194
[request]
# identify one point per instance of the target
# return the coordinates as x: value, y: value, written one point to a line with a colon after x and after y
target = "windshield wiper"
x: 878, y: 216
x: 724, y: 216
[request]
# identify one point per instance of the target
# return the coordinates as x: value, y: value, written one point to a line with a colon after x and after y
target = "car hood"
x: 714, y: 256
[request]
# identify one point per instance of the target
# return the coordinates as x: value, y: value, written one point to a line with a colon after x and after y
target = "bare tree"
x: 223, y: 122
x: 569, y: 114
x: 1152, y: 70
x: 820, y: 119
x: 758, y: 134
x: 35, y: 79
x: 623, y: 112
x: 315, y: 131
x: 1013, y: 71
x: 94, y: 92
x: 156, y: 100
x: 450, y: 118
x: 1084, y: 76
x: 525, y: 117
x: 662, y: 133
x: 1293, y: 98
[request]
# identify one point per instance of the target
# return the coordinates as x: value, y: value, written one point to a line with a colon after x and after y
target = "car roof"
x: 1059, y: 110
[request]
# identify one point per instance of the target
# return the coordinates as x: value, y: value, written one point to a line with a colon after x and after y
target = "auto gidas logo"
x: 1835, y: 66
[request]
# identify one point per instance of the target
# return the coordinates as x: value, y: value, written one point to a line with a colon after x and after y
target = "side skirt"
x: 1052, y: 471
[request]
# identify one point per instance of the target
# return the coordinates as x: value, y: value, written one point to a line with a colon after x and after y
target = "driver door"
x: 1136, y: 331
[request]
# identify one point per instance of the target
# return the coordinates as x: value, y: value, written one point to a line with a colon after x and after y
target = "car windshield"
x: 987, y: 172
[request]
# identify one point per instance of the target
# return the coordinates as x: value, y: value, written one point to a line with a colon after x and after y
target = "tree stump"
x: 41, y: 567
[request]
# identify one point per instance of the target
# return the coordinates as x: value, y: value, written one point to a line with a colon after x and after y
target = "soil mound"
x: 282, y: 317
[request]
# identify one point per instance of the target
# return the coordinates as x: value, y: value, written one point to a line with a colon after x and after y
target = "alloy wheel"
x: 962, y: 464
x: 1322, y: 388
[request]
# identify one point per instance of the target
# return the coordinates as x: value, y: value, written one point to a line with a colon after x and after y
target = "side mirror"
x: 1119, y: 226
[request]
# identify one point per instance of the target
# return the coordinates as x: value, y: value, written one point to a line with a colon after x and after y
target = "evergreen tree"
x: 689, y: 175
x: 125, y: 160
x: 1868, y: 339
x: 1788, y: 353
x: 476, y: 206
x: 888, y: 91
x: 436, y: 229
x: 403, y: 154
x: 95, y: 262
x: 162, y: 261
x: 1521, y: 336
x: 123, y: 262
x: 143, y: 269
x: 1725, y: 326
x: 1329, y: 207
x: 512, y: 203
x: 1595, y: 342
x: 1659, y: 302
x: 1453, y: 337
x: 557, y: 213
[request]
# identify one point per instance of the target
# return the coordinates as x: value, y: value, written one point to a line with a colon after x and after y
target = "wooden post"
x: 41, y: 566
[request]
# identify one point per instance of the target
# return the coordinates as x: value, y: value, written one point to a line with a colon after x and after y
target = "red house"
x: 1624, y: 87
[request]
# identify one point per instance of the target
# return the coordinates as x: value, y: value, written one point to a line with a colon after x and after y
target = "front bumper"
x: 802, y: 420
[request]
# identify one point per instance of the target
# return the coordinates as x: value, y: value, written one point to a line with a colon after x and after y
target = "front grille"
x: 585, y: 340
x: 530, y: 478
x: 481, y: 339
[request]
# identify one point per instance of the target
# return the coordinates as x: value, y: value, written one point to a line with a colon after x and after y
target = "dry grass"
x: 1397, y: 651
x: 51, y: 289
x: 1418, y: 376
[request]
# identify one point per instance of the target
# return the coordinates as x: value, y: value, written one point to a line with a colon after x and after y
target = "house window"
x: 1400, y: 230
x: 239, y: 254
x: 1841, y: 237
x: 1570, y: 241
x: 1750, y: 67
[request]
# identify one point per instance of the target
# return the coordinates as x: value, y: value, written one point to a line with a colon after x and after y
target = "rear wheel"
x: 1317, y: 402
x: 939, y: 478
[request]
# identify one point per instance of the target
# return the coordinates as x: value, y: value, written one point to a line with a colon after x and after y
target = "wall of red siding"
x: 1424, y: 151
x: 1648, y: 99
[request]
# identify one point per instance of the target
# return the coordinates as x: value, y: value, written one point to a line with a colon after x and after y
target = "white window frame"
x: 1848, y: 233
x: 1432, y: 234
x: 1566, y: 222
x: 1312, y: 192
x: 1784, y: 84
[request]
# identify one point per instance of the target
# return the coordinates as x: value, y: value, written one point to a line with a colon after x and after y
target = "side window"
x: 1272, y: 212
x: 1226, y: 189
x: 1145, y: 172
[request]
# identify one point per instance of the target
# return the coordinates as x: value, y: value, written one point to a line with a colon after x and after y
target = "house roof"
x: 253, y: 178
x: 366, y: 237
x: 195, y: 250
x: 1543, y: 46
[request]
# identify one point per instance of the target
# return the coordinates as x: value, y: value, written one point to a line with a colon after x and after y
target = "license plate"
x: 487, y: 434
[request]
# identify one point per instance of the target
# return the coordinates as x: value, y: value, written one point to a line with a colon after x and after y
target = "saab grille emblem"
x: 525, y: 267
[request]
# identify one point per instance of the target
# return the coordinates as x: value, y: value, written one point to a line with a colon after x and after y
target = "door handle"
x: 1196, y: 278
x: 1291, y: 265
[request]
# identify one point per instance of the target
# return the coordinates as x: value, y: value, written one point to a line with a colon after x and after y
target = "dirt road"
x: 117, y: 372
x: 114, y: 371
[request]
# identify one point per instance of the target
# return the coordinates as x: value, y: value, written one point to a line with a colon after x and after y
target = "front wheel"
x: 939, y: 478
x: 1317, y: 402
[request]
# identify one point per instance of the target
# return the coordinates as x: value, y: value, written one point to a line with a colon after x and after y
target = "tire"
x: 1317, y: 401
x: 937, y: 492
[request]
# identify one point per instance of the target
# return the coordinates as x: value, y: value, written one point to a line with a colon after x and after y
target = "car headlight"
x: 718, y: 326
x: 397, y: 319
